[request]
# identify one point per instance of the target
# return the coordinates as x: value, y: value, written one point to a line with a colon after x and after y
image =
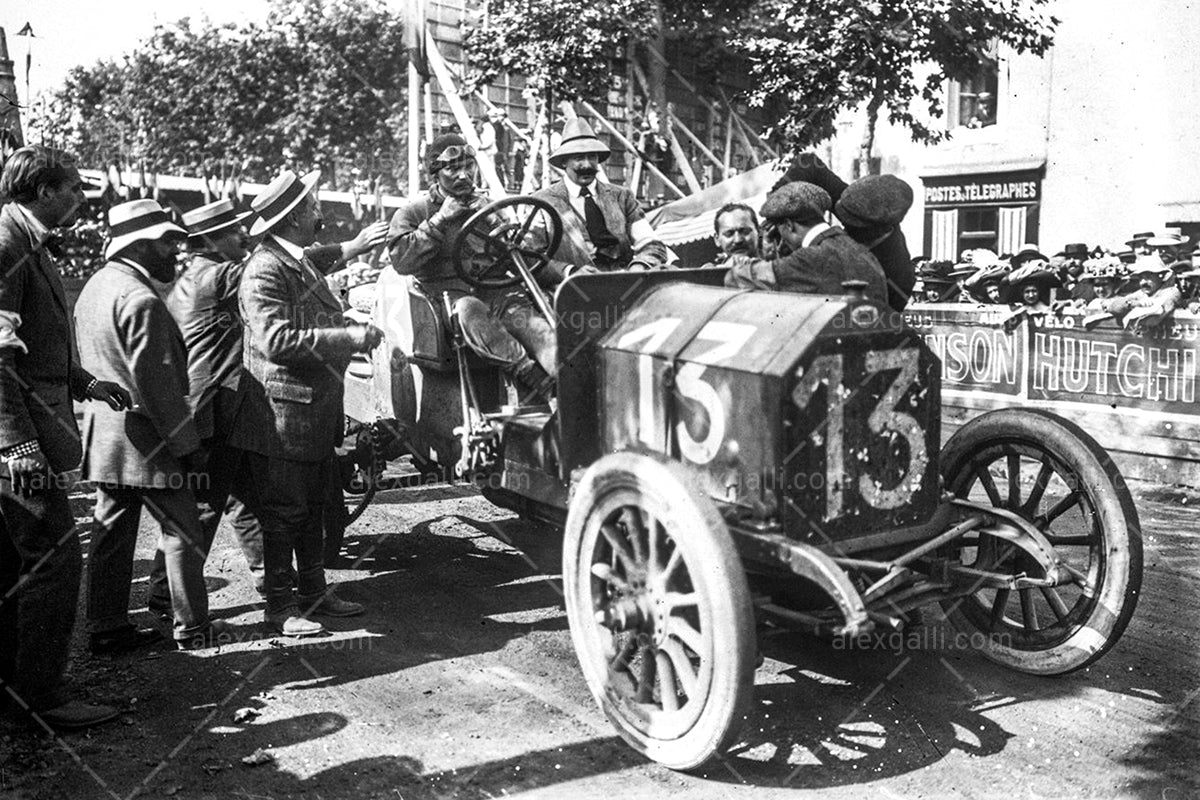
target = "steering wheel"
x: 486, y: 248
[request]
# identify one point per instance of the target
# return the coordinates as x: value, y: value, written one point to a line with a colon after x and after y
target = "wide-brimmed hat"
x: 1139, y: 237
x: 281, y: 196
x: 1031, y: 274
x: 1027, y: 253
x: 135, y: 221
x: 977, y: 284
x: 1106, y: 268
x: 874, y: 201
x: 213, y: 217
x: 1075, y: 250
x: 1166, y: 240
x: 1149, y: 264
x: 577, y: 140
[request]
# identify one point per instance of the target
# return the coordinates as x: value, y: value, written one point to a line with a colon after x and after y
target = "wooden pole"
x: 682, y: 160
x: 608, y: 126
x: 746, y: 128
x: 728, y: 145
x: 694, y: 139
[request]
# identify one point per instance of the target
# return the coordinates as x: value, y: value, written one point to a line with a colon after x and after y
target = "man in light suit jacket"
x: 290, y: 416
x: 144, y: 456
x: 603, y: 226
x: 40, y: 557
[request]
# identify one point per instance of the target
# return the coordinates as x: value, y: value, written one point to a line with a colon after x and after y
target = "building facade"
x: 1090, y: 143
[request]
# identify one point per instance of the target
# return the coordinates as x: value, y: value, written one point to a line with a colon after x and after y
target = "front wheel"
x: 1050, y: 472
x: 659, y: 609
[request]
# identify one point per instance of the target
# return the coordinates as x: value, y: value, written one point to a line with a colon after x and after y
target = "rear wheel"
x: 1051, y: 473
x: 659, y: 609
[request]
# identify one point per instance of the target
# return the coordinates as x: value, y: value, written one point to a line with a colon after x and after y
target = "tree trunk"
x: 866, y: 166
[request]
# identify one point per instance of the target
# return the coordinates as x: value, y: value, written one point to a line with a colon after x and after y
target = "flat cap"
x: 874, y: 201
x: 796, y: 199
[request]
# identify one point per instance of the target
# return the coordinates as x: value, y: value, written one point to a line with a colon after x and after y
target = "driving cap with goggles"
x: 446, y: 149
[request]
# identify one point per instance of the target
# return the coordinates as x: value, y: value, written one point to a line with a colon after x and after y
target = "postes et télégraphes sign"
x: 1018, y: 187
x: 1056, y: 359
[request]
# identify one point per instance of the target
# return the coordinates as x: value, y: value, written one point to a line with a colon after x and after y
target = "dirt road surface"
x: 461, y: 682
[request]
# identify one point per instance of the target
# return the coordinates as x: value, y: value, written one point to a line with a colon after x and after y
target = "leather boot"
x: 534, y: 384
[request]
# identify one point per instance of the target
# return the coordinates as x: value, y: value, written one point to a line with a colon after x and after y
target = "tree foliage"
x: 563, y: 47
x: 808, y: 60
x: 814, y: 59
x: 319, y: 84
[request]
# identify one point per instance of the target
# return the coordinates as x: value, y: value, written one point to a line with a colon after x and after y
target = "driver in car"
x: 499, y: 324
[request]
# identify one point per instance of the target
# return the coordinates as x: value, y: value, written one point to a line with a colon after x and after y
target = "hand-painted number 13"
x: 884, y: 418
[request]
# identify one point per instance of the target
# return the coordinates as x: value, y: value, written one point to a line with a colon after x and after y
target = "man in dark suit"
x: 815, y: 257
x: 603, y: 225
x: 40, y: 561
x: 290, y: 417
x: 149, y: 455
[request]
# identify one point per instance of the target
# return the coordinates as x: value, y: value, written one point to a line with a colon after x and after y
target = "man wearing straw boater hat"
x: 40, y: 560
x: 290, y: 417
x: 204, y: 303
x: 149, y: 455
x: 603, y: 225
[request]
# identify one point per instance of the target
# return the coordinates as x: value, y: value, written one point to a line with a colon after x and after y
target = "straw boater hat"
x: 281, y: 196
x: 213, y: 217
x: 578, y: 139
x: 1075, y: 250
x: 1139, y: 237
x: 136, y: 221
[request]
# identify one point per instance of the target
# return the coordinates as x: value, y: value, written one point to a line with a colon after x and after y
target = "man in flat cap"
x: 603, y: 225
x: 870, y: 210
x: 814, y: 256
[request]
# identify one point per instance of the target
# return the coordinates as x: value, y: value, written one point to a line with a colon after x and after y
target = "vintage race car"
x: 706, y: 440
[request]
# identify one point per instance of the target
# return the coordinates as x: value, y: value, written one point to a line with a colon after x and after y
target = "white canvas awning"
x: 690, y: 218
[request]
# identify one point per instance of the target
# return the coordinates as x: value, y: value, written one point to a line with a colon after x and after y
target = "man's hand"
x: 750, y: 273
x: 195, y: 462
x: 117, y: 397
x: 454, y: 208
x: 367, y: 240
x: 366, y: 337
x: 28, y: 473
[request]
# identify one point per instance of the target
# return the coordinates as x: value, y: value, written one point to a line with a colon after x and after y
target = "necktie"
x: 593, y: 217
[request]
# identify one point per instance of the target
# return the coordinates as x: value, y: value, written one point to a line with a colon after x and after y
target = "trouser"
x: 507, y: 331
x: 289, y: 499
x: 110, y: 556
x: 221, y: 491
x: 40, y: 568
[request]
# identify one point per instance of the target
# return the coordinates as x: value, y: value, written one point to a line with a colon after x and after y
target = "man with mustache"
x: 499, y: 325
x: 735, y: 232
x: 603, y: 226
x: 149, y: 455
x: 290, y: 415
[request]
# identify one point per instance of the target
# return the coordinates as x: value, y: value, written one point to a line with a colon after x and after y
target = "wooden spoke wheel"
x: 659, y: 609
x: 487, y: 246
x: 1050, y: 472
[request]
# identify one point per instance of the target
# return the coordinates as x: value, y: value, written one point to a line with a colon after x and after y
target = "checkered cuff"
x: 20, y: 450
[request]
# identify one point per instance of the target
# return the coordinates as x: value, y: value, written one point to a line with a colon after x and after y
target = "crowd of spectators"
x: 1138, y: 287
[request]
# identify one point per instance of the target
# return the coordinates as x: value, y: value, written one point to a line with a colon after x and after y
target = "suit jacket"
x: 294, y: 353
x: 831, y: 258
x: 204, y: 303
x: 127, y: 335
x: 891, y: 251
x: 36, y: 386
x: 620, y: 210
